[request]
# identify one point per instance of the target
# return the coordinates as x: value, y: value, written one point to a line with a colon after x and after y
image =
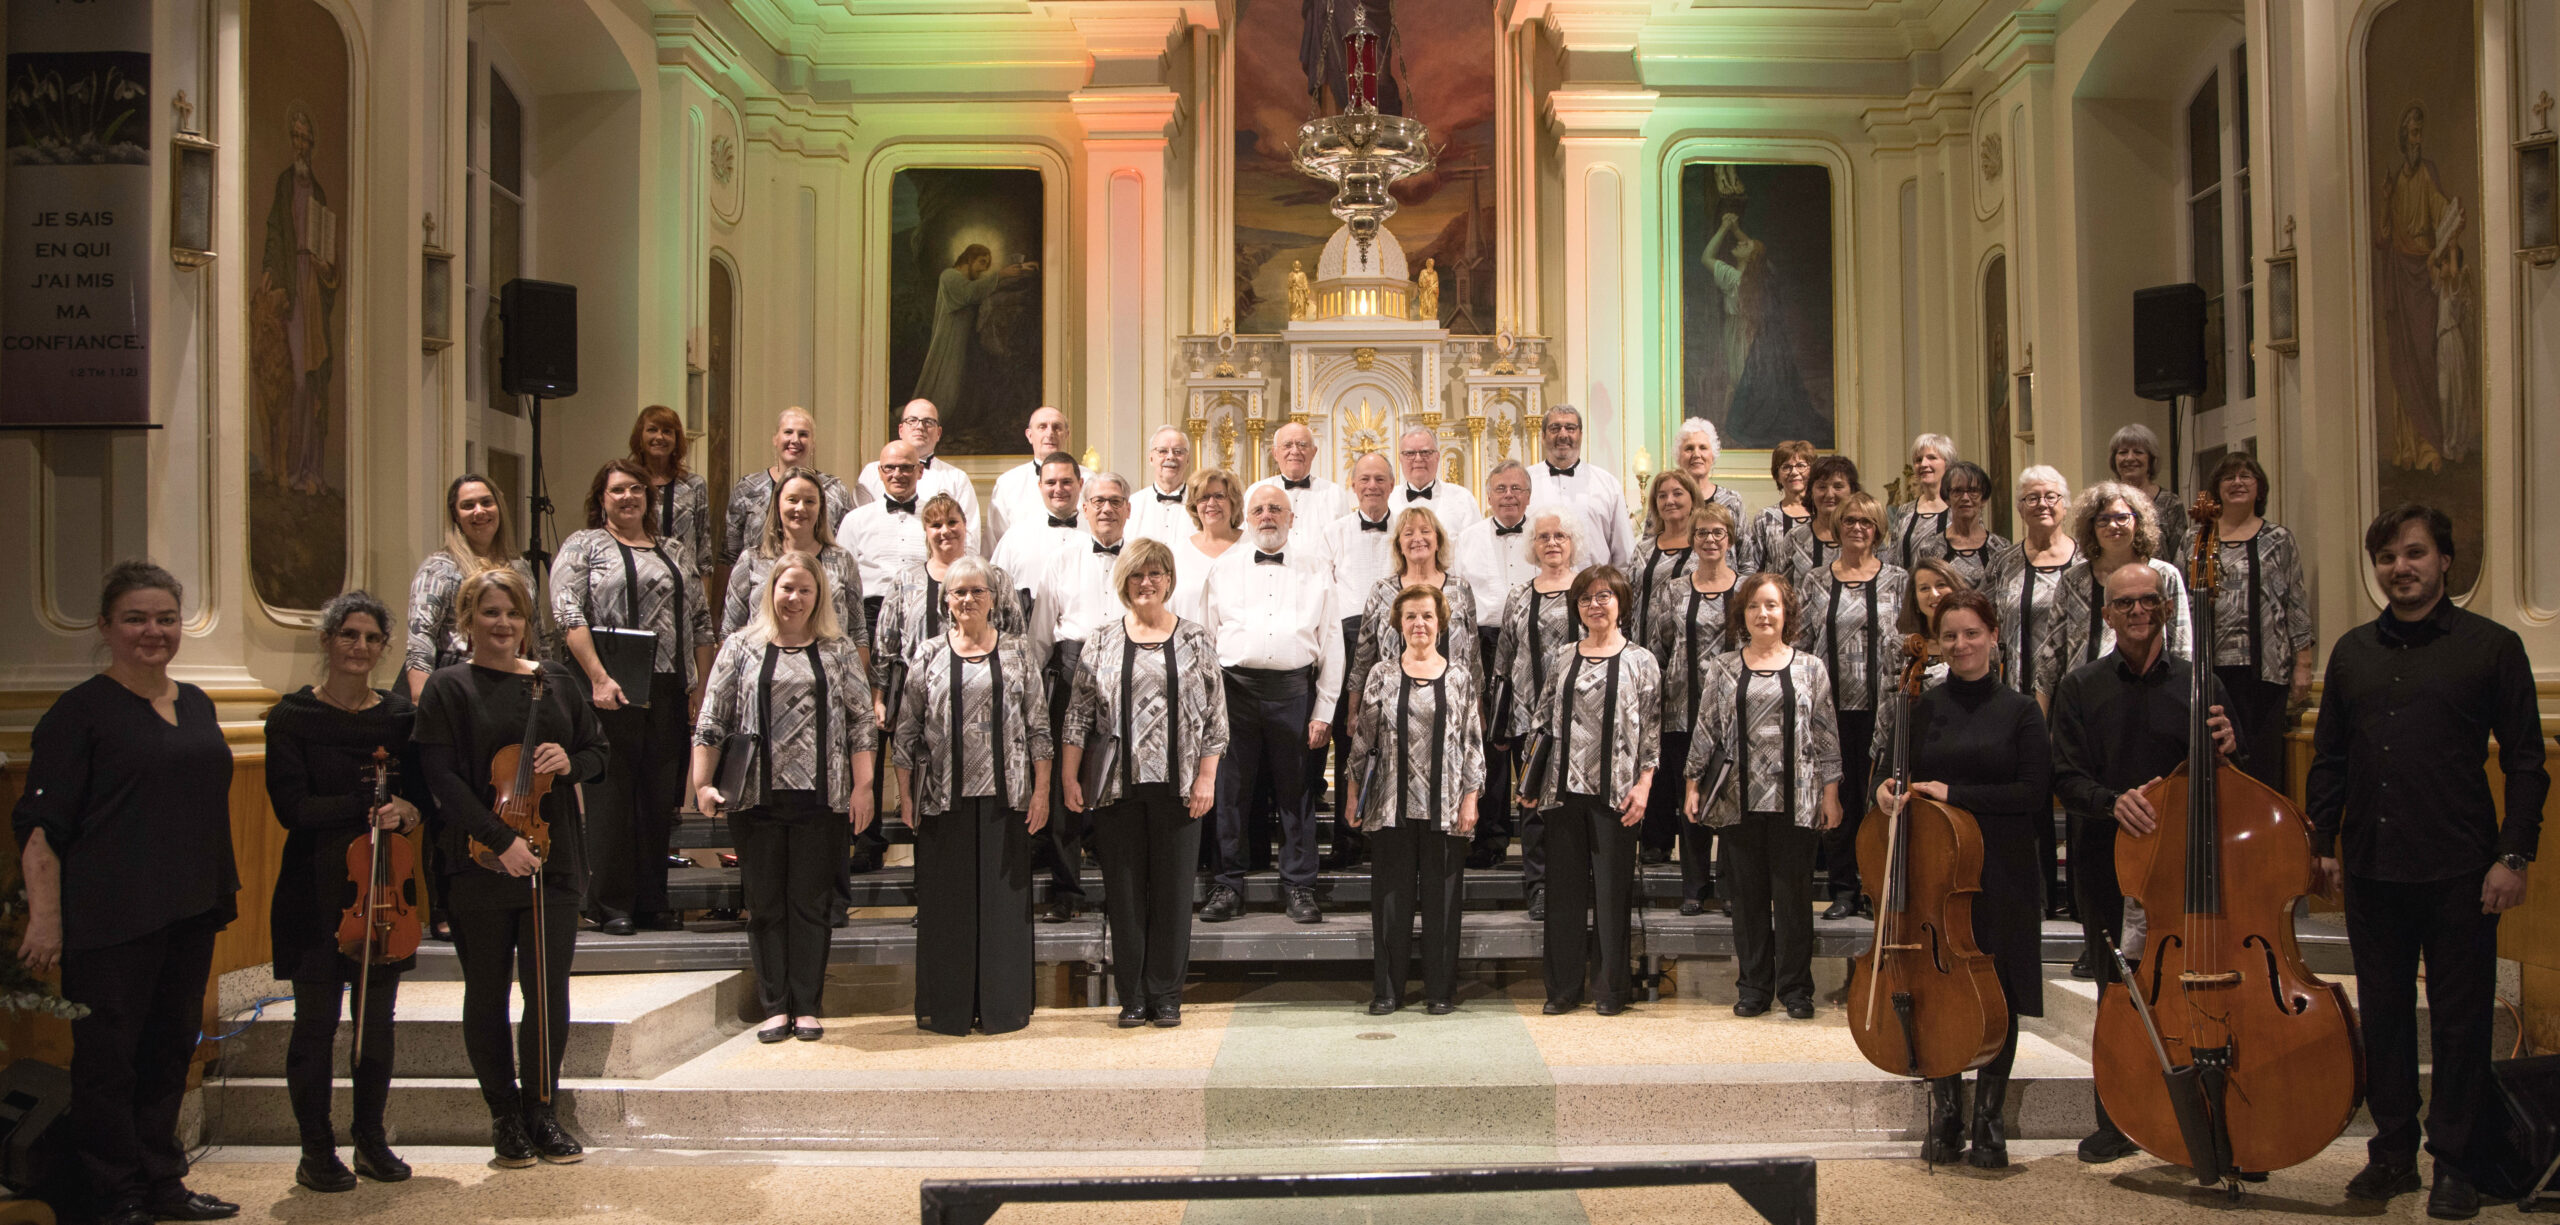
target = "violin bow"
x: 372, y: 900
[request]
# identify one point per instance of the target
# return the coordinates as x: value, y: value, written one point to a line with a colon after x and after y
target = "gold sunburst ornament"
x: 1365, y: 431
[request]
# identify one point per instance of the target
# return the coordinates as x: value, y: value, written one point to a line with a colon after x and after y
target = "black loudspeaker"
x: 2168, y: 341
x: 539, y: 356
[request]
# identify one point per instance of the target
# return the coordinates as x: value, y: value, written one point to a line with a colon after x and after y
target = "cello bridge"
x: 2198, y: 978
x: 1904, y: 948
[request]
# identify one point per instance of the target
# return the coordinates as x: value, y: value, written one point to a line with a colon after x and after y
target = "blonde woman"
x: 475, y: 539
x: 1852, y: 608
x: 1215, y: 501
x: 2115, y: 527
x: 796, y: 522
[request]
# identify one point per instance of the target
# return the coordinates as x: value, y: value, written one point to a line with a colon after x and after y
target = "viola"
x: 2220, y: 1051
x: 517, y: 791
x: 1924, y: 999
x: 380, y: 926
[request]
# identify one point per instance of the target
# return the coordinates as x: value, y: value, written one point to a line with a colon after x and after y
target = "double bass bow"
x: 1924, y: 1000
x: 379, y: 927
x: 2220, y: 1051
x: 517, y: 791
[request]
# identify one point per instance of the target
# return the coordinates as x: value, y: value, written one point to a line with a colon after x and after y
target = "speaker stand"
x: 2177, y: 454
x: 537, y: 506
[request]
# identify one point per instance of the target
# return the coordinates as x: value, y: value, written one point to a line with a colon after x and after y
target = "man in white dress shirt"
x: 1494, y: 559
x: 1565, y: 478
x: 1360, y: 544
x: 1072, y: 599
x: 1314, y: 502
x: 1017, y: 498
x: 1160, y: 513
x: 885, y: 536
x: 920, y: 427
x: 1272, y: 615
x: 1031, y: 543
x: 1418, y: 453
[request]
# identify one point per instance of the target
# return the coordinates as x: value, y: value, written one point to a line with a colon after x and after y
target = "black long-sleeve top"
x: 466, y: 714
x: 1987, y: 743
x: 317, y: 761
x: 2405, y: 719
x: 2115, y: 729
x: 137, y: 809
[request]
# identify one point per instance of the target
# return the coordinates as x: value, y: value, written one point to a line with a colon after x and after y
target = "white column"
x: 1121, y: 240
x: 1601, y: 131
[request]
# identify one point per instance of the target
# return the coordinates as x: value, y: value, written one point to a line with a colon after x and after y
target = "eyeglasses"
x: 1420, y: 453
x: 361, y: 637
x: 1953, y: 494
x: 2116, y: 518
x: 1105, y: 500
x: 898, y: 469
x: 1146, y: 576
x: 2127, y: 603
x: 1868, y: 524
x: 2041, y: 499
x: 922, y: 423
x: 1600, y: 599
x: 965, y: 593
x: 1715, y: 533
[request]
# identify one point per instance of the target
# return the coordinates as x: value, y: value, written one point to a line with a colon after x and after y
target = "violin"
x: 1924, y: 1000
x: 2221, y: 1051
x: 380, y: 927
x: 517, y: 793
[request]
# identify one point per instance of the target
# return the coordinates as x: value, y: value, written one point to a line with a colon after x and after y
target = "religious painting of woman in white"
x: 964, y: 301
x: 1755, y: 313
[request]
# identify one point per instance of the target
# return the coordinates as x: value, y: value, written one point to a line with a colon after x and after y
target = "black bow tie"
x: 1411, y: 493
x: 1111, y: 549
x: 1174, y: 498
x: 1305, y: 483
x: 905, y: 506
x: 1069, y: 521
x: 1513, y: 530
x: 924, y: 463
x: 1552, y: 470
x: 1261, y: 558
x: 1366, y: 526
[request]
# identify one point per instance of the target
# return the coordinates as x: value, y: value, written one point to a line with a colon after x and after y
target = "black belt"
x: 1271, y: 684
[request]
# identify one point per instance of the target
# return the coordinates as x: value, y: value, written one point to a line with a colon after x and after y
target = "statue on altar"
x: 1427, y: 307
x: 1302, y: 297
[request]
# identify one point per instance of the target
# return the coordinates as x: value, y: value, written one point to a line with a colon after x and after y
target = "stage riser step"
x: 610, y: 1035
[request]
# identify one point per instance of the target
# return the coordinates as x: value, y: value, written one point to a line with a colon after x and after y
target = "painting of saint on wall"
x: 1755, y: 302
x: 2422, y: 151
x: 1443, y: 55
x: 296, y: 166
x: 964, y: 302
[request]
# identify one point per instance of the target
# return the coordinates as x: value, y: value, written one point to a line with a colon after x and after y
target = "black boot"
x: 322, y: 1171
x: 1990, y: 1149
x: 506, y: 1135
x: 542, y: 1129
x: 1944, y: 1143
x: 375, y: 1160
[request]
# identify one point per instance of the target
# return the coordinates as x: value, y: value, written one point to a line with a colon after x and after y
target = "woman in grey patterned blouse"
x: 1969, y: 544
x: 2027, y: 574
x: 1851, y: 609
x: 1670, y: 548
x: 475, y: 539
x: 1812, y: 543
x: 972, y: 752
x: 1600, y: 716
x: 620, y: 573
x: 2133, y: 454
x: 2264, y: 635
x: 2114, y: 526
x: 1918, y: 528
x: 682, y: 498
x: 1421, y: 560
x: 912, y: 612
x: 1688, y: 633
x: 1417, y: 758
x: 796, y: 522
x: 1147, y: 684
x: 1536, y: 617
x: 1696, y: 446
x: 1791, y: 468
x: 1764, y: 770
x: 792, y: 680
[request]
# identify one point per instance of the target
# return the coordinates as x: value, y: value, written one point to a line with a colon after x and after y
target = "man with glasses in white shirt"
x: 1493, y: 557
x: 1418, y: 454
x: 920, y: 427
x: 1314, y: 502
x: 1160, y: 512
x: 1564, y: 477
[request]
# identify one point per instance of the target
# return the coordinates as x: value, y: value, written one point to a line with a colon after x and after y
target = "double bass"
x: 380, y: 927
x: 1924, y: 1000
x: 2220, y: 1051
x: 517, y: 791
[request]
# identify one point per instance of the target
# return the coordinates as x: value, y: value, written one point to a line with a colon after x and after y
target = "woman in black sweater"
x: 321, y: 742
x: 466, y: 714
x: 124, y: 836
x: 1981, y: 746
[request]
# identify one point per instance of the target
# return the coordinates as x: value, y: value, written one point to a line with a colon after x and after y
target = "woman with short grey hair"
x: 1918, y: 528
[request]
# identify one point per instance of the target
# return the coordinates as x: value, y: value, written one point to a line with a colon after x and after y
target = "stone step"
x: 623, y: 1026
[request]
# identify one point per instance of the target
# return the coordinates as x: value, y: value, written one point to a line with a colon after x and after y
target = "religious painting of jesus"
x: 965, y: 315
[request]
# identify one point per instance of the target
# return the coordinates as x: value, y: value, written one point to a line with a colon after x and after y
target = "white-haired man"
x: 1564, y: 477
x: 1494, y: 559
x: 1017, y: 498
x: 920, y: 427
x: 795, y: 441
x: 1418, y: 457
x: 1314, y: 502
x: 1160, y: 512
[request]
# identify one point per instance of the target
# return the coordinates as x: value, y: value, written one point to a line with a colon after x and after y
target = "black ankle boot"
x: 506, y: 1135
x: 375, y: 1160
x: 551, y: 1143
x: 1944, y: 1143
x: 322, y: 1171
x: 1990, y: 1149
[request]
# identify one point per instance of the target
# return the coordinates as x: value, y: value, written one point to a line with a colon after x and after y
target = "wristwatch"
x: 2515, y: 863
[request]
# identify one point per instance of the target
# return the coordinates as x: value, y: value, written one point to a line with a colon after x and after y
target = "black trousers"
x: 973, y: 919
x: 1058, y: 849
x: 309, y: 1053
x: 1416, y: 867
x: 1593, y: 868
x: 1857, y: 794
x: 2391, y: 927
x: 1349, y: 844
x: 1768, y: 874
x: 788, y: 849
x: 493, y: 939
x: 2095, y: 893
x: 1149, y: 845
x: 2057, y: 887
x: 1697, y: 842
x: 129, y: 1058
x: 1495, y: 814
x: 2257, y: 711
x: 631, y: 810
x: 1267, y: 717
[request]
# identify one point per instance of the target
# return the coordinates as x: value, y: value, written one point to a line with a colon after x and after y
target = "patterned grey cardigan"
x: 1380, y: 639
x: 1199, y: 716
x: 435, y: 632
x: 587, y: 583
x: 1631, y: 728
x: 729, y: 706
x: 1817, y: 739
x: 2263, y: 573
x: 844, y: 591
x: 902, y: 629
x: 684, y: 512
x: 923, y: 742
x: 1459, y: 756
x: 752, y: 496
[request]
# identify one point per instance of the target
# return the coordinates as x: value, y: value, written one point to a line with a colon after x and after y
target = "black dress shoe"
x: 1537, y: 903
x: 1609, y: 1008
x: 865, y: 860
x: 1382, y: 1006
x: 1223, y: 904
x: 1440, y: 1008
x: 514, y: 1149
x: 1168, y: 1013
x: 198, y: 1206
x: 323, y: 1172
x: 1840, y: 908
x: 838, y: 919
x: 128, y: 1216
x: 1557, y: 1008
x: 663, y: 921
x: 1865, y: 907
x: 1653, y: 855
x: 1062, y: 909
x: 1692, y: 907
x: 1481, y: 858
x: 551, y: 1143
x: 2378, y: 1181
x: 616, y: 927
x: 808, y: 1033
x: 375, y: 1160
x: 2453, y: 1198
x: 1748, y: 1007
x: 1302, y: 905
x: 2091, y: 963
x: 2107, y: 1144
x: 1132, y: 1015
x: 1800, y: 1010
x: 774, y: 1033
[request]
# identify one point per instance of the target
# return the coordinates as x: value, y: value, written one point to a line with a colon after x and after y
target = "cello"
x: 380, y: 927
x: 517, y: 791
x: 1923, y: 999
x: 2220, y: 1051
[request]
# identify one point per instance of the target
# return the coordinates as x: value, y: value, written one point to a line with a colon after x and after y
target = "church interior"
x: 1845, y: 223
